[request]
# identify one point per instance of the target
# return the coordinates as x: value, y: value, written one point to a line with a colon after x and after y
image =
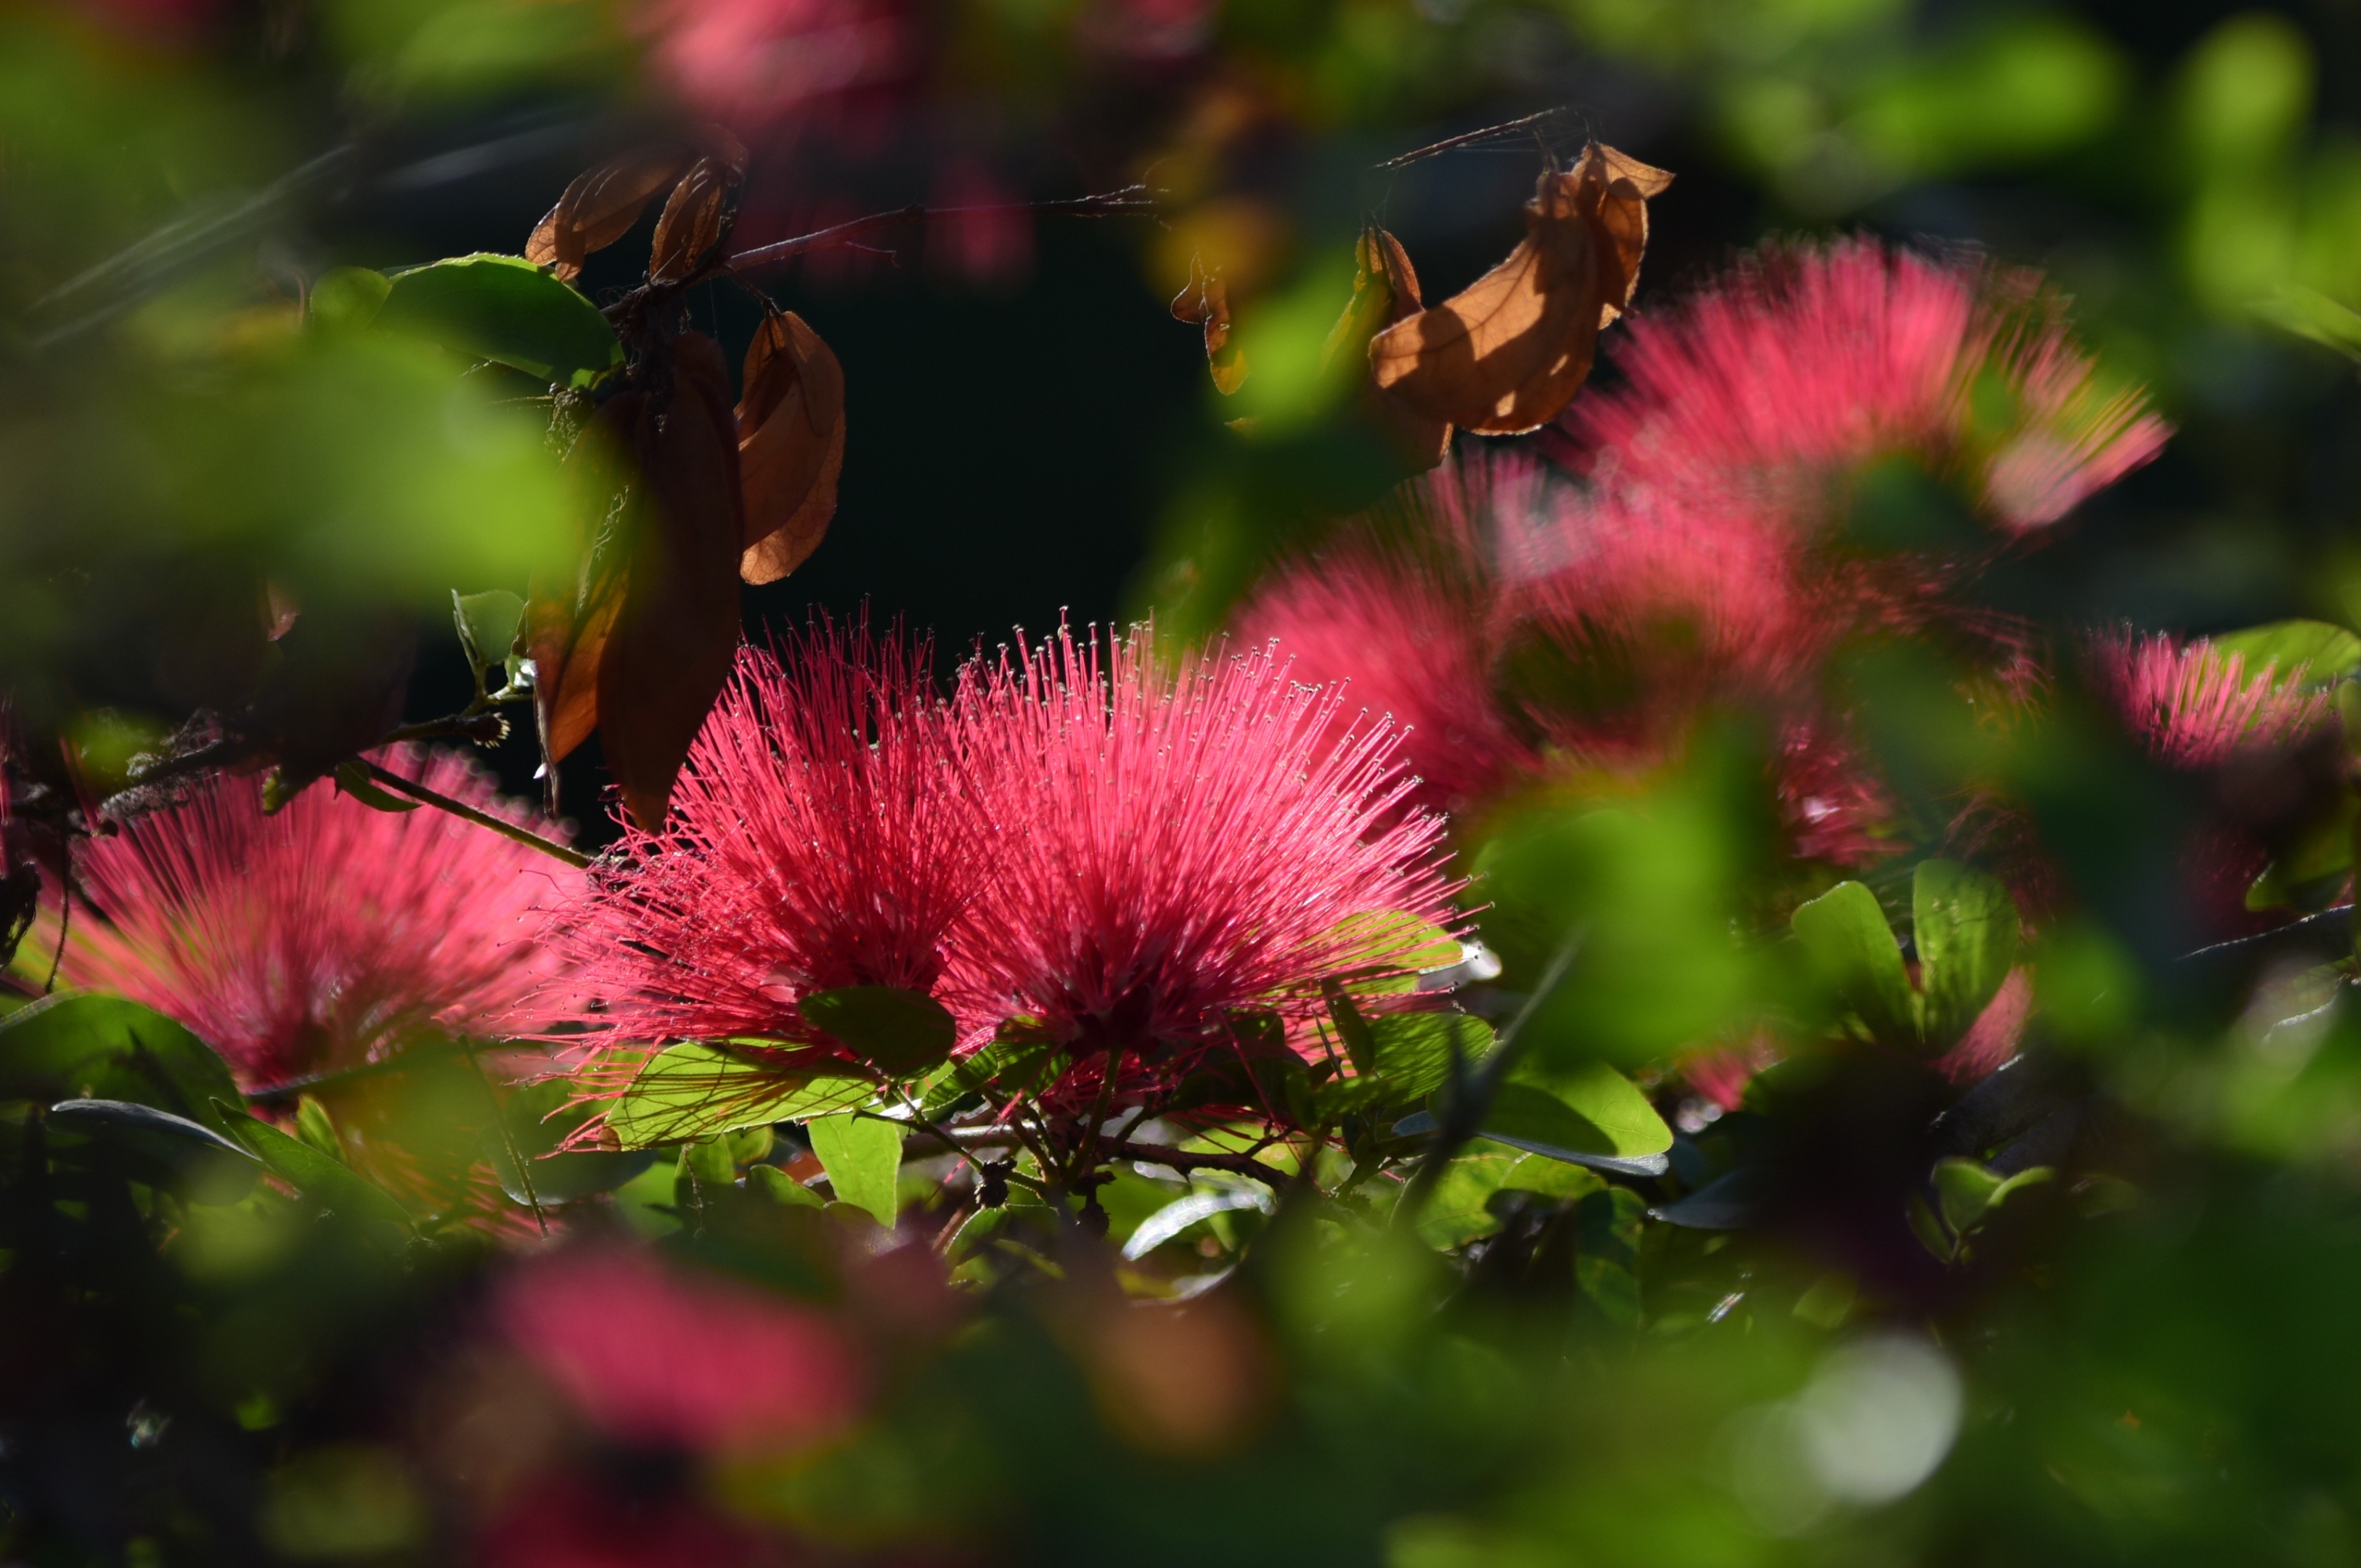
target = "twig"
x: 1105, y: 204
x: 484, y: 728
x: 1004, y: 1137
x: 1471, y: 139
x: 65, y: 923
x: 418, y: 792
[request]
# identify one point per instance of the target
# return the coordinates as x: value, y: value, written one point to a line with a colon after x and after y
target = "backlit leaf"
x: 790, y: 445
x: 504, y: 309
x: 2320, y: 651
x: 695, y: 218
x: 903, y: 1033
x: 1845, y: 937
x: 1965, y: 926
x: 863, y: 1157
x: 695, y: 1090
x: 600, y: 207
x: 1507, y: 353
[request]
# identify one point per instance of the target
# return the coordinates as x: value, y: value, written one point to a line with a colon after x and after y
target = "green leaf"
x: 1459, y: 1209
x: 1385, y: 951
x: 346, y: 299
x: 863, y: 1157
x: 317, y: 1128
x: 82, y: 1044
x: 1352, y: 1032
x: 780, y: 1188
x: 1010, y: 1066
x: 327, y: 1183
x: 903, y: 1033
x: 1845, y: 937
x: 188, y: 1156
x: 1965, y: 926
x: 1409, y: 1059
x: 697, y: 1089
x: 353, y: 779
x: 1969, y: 1193
x: 504, y: 309
x: 488, y: 625
x: 1607, y: 1263
x: 1584, y: 1112
x: 535, y: 1121
x: 2323, y: 652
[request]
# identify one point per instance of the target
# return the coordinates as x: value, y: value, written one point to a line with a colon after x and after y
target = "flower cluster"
x: 1120, y: 853
x: 324, y: 935
x: 1706, y: 545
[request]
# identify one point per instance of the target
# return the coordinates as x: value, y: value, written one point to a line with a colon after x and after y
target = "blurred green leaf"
x: 862, y: 1156
x: 84, y: 1044
x: 694, y: 1090
x: 346, y: 299
x: 317, y: 1128
x: 903, y: 1033
x: 1968, y: 1193
x: 325, y: 1181
x: 205, y: 1166
x: 1607, y: 1263
x: 1965, y: 925
x: 2320, y: 651
x: 506, y: 309
x: 1845, y: 937
x: 780, y: 1188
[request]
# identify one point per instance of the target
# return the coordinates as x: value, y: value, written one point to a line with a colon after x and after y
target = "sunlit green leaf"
x: 693, y: 1090
x: 1582, y: 1111
x: 862, y: 1156
x: 325, y: 1181
x: 2322, y: 651
x: 1844, y: 935
x: 1966, y: 927
x: 346, y: 299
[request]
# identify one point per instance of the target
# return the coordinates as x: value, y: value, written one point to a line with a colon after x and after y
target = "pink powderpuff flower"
x: 753, y: 62
x: 1834, y: 807
x: 1811, y: 361
x: 2194, y: 706
x: 1401, y: 612
x: 822, y: 835
x: 1180, y: 842
x: 659, y: 1355
x: 320, y: 937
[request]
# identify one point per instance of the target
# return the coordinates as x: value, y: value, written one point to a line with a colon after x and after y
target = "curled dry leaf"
x: 1385, y: 290
x: 695, y: 218
x: 1507, y: 353
x: 600, y: 207
x: 673, y: 640
x: 790, y: 446
x: 1204, y: 302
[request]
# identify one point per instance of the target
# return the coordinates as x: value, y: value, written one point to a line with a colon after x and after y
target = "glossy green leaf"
x: 1010, y: 1066
x: 1969, y: 1193
x: 353, y: 779
x: 504, y: 309
x: 1965, y: 926
x: 82, y: 1044
x: 327, y: 1183
x: 2323, y: 651
x: 1848, y: 944
x: 903, y: 1033
x: 694, y: 1090
x: 863, y: 1157
x: 1585, y: 1112
x: 488, y: 625
x: 1411, y: 1059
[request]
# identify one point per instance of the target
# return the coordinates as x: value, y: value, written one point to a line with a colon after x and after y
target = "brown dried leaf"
x: 790, y: 446
x: 600, y: 207
x: 1385, y: 290
x: 696, y: 218
x: 672, y: 645
x: 1204, y: 300
x: 1507, y: 353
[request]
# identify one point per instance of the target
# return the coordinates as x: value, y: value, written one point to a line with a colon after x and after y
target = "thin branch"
x: 1150, y: 1154
x: 441, y: 802
x: 484, y: 728
x: 1131, y: 199
x: 1473, y: 138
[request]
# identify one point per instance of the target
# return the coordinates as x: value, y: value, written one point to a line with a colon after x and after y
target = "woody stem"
x: 441, y: 802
